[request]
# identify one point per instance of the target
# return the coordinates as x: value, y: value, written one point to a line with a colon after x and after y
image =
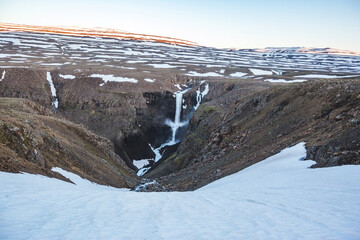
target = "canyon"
x: 160, y: 114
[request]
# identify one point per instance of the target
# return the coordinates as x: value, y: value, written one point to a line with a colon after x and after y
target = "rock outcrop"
x: 237, y: 130
x: 34, y: 140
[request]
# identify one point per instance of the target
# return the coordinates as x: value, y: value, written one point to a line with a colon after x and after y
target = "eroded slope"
x: 33, y: 140
x: 237, y: 130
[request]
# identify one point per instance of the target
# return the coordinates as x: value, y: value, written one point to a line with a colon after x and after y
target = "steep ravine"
x: 132, y: 116
x: 237, y: 130
x: 238, y: 124
x: 34, y: 140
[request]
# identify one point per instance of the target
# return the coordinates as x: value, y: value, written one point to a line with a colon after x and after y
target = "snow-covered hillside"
x: 94, y: 54
x: 278, y: 198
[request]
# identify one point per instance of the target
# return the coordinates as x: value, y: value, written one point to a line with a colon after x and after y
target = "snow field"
x: 87, y: 49
x: 278, y: 198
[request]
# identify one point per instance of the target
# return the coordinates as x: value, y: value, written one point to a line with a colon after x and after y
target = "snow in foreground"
x: 278, y: 198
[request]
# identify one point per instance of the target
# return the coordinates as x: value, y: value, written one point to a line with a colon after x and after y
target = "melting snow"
x: 130, y: 68
x: 149, y: 80
x: 285, y: 81
x: 277, y: 72
x: 161, y: 65
x: 141, y: 163
x: 238, y: 74
x: 112, y: 78
x: 260, y: 71
x: 136, y: 61
x: 67, y: 76
x: 325, y: 76
x: 278, y: 198
x: 209, y: 74
x: 91, y: 49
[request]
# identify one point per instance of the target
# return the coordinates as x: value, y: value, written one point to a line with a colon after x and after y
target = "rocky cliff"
x: 239, y: 129
x: 34, y: 140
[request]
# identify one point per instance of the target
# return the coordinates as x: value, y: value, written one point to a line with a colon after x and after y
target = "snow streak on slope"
x: 278, y: 198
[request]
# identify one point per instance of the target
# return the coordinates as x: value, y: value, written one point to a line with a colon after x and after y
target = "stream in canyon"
x: 180, y: 121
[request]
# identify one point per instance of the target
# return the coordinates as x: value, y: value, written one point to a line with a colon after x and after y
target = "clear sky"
x: 222, y: 23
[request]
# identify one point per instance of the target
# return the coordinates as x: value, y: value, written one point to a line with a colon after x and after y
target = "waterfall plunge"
x: 177, y: 123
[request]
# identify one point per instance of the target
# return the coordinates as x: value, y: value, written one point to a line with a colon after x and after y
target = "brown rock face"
x: 25, y: 83
x: 130, y: 115
x: 33, y: 140
x: 239, y: 129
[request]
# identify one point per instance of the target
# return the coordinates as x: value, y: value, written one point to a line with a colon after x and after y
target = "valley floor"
x: 278, y: 198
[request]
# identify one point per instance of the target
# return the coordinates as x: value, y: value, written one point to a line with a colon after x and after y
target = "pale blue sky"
x: 227, y: 23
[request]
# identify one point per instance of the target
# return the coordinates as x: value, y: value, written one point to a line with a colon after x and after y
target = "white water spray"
x: 55, y: 102
x: 3, y: 75
x: 200, y: 95
x: 176, y: 124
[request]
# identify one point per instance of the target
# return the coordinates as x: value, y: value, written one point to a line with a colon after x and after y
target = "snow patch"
x: 277, y: 72
x: 208, y: 74
x: 149, y: 80
x: 324, y: 76
x: 136, y: 61
x: 161, y: 65
x: 256, y: 71
x: 112, y: 78
x: 238, y: 74
x: 285, y: 81
x: 141, y: 163
x: 67, y: 76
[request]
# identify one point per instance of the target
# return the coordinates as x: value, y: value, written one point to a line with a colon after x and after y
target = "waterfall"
x: 2, y: 76
x: 200, y: 95
x: 176, y: 123
x: 55, y: 102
